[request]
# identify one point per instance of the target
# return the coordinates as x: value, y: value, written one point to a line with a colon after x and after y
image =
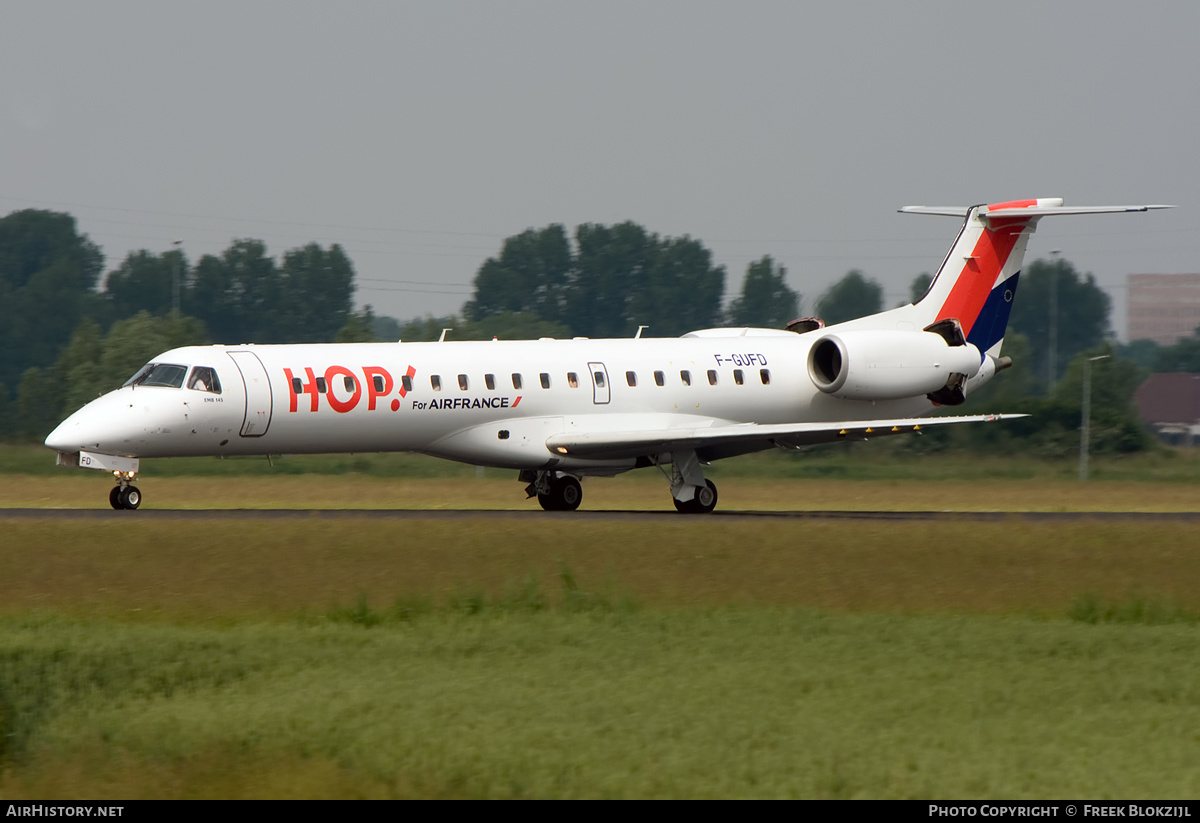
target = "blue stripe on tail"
x: 989, y: 327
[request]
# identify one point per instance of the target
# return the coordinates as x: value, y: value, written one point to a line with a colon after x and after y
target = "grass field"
x: 502, y: 658
x: 540, y: 657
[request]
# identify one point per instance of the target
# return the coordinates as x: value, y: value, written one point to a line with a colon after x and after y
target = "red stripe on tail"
x: 979, y: 274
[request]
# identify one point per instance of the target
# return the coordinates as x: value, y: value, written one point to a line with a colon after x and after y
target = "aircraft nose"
x: 82, y: 430
x: 59, y: 439
x: 101, y: 425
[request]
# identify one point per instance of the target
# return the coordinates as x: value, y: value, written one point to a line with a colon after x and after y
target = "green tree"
x: 38, y: 402
x: 851, y: 297
x: 683, y: 290
x: 48, y: 271
x: 386, y: 328
x: 918, y: 287
x: 1143, y: 352
x: 612, y: 264
x: 316, y: 296
x: 530, y: 275
x: 510, y: 326
x: 766, y: 300
x: 237, y: 294
x: 504, y: 326
x: 146, y: 282
x: 77, y: 369
x: 1080, y: 322
x: 617, y: 278
x: 358, y: 328
x: 7, y: 415
x: 1183, y: 356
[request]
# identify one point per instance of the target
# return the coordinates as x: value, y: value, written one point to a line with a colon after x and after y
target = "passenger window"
x: 516, y: 381
x: 738, y: 377
x: 377, y: 379
x: 405, y: 381
x: 349, y: 383
x: 545, y: 380
x: 297, y: 386
x: 659, y: 378
x: 322, y: 386
x: 435, y: 381
x: 462, y: 382
x: 686, y: 377
x: 489, y: 380
x: 712, y: 377
x: 572, y: 380
x: 765, y: 374
x: 599, y: 378
x: 631, y: 378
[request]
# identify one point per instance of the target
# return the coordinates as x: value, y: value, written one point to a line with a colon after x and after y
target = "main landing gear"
x: 555, y: 492
x: 691, y: 492
x: 124, y: 495
x: 704, y: 500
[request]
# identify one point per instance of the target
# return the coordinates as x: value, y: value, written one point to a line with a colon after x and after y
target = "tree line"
x: 69, y: 335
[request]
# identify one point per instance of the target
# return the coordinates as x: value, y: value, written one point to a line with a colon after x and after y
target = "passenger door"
x: 258, y: 393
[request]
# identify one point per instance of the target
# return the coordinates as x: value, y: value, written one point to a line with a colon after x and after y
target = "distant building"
x: 1170, y: 405
x: 1163, y: 307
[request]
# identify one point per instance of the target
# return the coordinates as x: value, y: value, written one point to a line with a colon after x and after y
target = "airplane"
x: 559, y: 410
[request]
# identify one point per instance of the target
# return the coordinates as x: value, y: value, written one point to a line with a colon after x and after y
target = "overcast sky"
x: 420, y: 135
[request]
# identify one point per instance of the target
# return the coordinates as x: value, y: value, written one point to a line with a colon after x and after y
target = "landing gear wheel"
x: 114, y: 497
x: 128, y: 497
x: 568, y: 492
x: 703, y: 502
x: 565, y: 495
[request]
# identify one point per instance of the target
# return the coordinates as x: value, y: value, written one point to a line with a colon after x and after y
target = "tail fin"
x: 978, y: 279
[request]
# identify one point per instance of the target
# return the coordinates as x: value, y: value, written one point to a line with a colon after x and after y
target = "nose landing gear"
x: 124, y: 495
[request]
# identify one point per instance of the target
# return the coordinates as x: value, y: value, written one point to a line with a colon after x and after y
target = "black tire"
x: 114, y: 497
x: 703, y: 501
x: 547, y: 502
x: 567, y: 493
x: 129, y: 497
x: 706, y: 498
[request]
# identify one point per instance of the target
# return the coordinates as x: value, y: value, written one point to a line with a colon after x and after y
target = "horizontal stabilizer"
x: 1043, y: 207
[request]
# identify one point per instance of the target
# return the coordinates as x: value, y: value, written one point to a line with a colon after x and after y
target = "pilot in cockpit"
x: 204, y: 379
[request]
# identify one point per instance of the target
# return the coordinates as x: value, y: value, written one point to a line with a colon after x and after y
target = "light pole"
x: 178, y: 244
x: 1086, y: 416
x: 1052, y: 372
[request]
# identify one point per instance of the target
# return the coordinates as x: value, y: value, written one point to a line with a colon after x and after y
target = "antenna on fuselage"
x: 442, y: 339
x: 638, y: 336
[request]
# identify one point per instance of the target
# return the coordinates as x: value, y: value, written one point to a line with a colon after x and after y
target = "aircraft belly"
x: 518, y: 443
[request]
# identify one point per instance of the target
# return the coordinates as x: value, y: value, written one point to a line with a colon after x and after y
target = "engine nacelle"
x: 890, y: 365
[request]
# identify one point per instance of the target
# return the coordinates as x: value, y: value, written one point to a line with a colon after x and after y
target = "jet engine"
x: 890, y: 365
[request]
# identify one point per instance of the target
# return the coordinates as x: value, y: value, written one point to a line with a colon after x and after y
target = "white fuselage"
x: 488, y: 403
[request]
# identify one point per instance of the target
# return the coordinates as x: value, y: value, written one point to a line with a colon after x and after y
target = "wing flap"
x: 617, y: 444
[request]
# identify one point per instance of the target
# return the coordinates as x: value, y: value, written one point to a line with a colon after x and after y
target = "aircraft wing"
x: 726, y: 438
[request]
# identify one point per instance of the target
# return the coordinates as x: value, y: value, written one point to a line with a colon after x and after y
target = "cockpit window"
x: 159, y: 374
x: 204, y: 379
x: 138, y: 376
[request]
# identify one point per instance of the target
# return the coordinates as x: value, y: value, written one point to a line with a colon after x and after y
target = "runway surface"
x: 110, y: 515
